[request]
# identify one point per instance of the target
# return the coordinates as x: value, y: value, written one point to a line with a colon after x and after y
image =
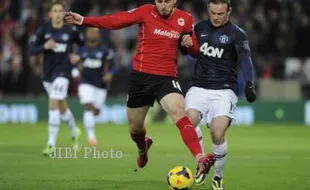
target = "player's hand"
x: 74, y: 18
x: 249, y: 92
x: 107, y: 78
x: 50, y: 44
x: 187, y: 41
x: 74, y: 58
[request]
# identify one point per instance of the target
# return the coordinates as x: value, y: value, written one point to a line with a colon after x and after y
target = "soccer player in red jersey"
x: 154, y: 75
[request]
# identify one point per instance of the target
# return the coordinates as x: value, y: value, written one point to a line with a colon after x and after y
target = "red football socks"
x: 189, y: 135
x: 139, y: 139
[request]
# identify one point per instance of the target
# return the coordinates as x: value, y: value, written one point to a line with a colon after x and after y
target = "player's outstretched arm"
x: 111, y: 22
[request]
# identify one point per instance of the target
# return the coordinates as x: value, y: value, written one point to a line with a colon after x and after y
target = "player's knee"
x: 96, y: 111
x: 135, y: 125
x: 194, y: 116
x: 63, y: 106
x: 136, y: 129
x: 54, y: 117
x: 177, y: 112
x: 54, y: 104
x: 88, y: 107
x: 218, y: 135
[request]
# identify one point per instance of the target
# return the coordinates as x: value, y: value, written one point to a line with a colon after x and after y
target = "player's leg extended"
x: 53, y: 126
x: 68, y: 117
x: 196, y: 105
x: 220, y: 116
x: 218, y: 128
x: 92, y: 109
x: 195, y: 117
x: 87, y: 97
x: 136, y: 119
x: 89, y: 122
x: 173, y: 104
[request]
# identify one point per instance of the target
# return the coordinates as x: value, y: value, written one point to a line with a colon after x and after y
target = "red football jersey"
x: 158, y: 37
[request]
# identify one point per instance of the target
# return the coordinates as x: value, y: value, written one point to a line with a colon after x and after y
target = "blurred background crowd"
x: 278, y: 30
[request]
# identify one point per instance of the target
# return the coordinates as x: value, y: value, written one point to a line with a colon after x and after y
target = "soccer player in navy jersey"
x: 220, y: 47
x: 97, y: 67
x: 154, y: 75
x: 55, y: 41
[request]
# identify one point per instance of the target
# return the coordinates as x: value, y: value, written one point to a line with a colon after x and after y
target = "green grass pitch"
x: 262, y: 157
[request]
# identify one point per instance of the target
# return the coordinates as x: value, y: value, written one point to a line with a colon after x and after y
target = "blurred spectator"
x: 302, y: 43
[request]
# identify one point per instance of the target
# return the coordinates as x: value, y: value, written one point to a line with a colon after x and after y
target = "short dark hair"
x: 228, y: 2
x: 56, y: 2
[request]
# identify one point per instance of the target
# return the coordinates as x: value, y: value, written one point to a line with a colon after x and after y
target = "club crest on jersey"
x: 65, y: 37
x: 181, y: 21
x: 99, y: 55
x: 224, y: 39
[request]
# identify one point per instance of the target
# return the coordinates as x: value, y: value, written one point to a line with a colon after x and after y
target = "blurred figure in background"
x: 55, y: 41
x: 97, y: 67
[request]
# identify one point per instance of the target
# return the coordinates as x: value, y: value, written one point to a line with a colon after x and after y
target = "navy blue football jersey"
x: 96, y: 61
x: 220, y: 51
x: 56, y: 61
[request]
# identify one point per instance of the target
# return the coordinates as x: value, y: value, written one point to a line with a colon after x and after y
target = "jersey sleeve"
x: 243, y: 50
x: 189, y: 24
x: 194, y: 50
x: 78, y: 36
x: 118, y: 20
x: 37, y: 42
x: 242, y: 44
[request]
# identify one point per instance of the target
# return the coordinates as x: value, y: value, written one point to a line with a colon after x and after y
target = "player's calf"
x: 89, y: 124
x: 53, y: 129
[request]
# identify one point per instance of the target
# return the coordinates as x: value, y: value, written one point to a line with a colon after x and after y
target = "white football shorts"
x: 58, y: 89
x: 90, y: 94
x: 211, y: 103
